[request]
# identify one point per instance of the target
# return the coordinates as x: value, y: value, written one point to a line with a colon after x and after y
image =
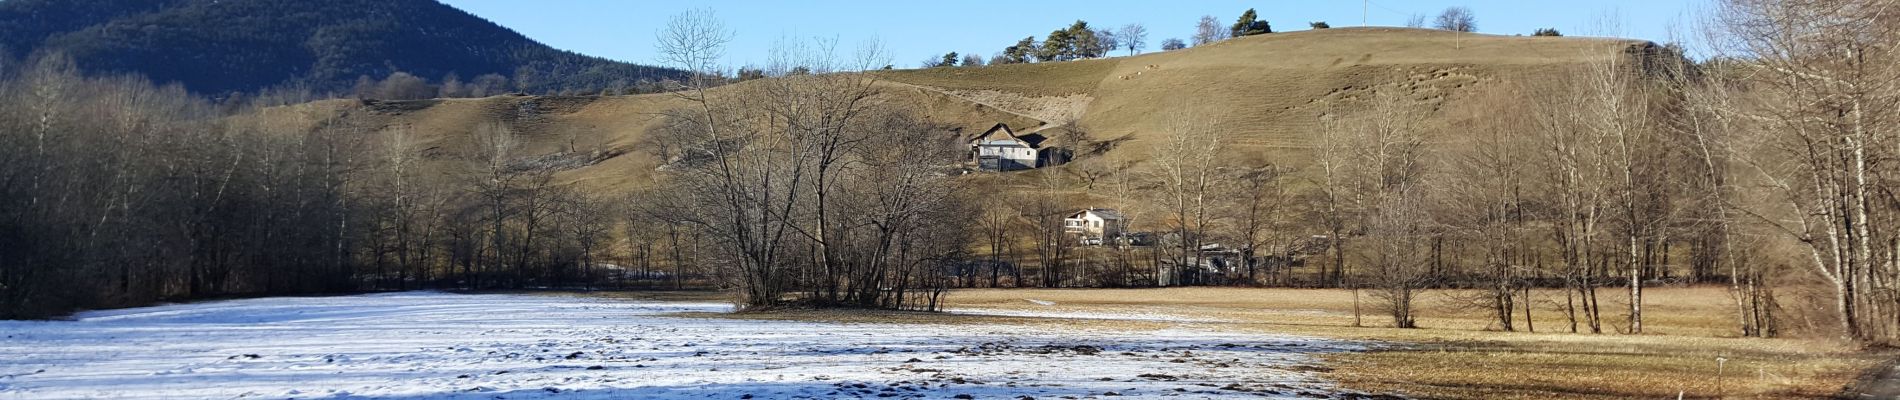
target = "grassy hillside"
x: 1268, y: 90
x: 604, y: 140
x: 1271, y: 89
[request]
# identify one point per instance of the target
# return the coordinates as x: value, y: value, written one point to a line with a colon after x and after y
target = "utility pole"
x: 1365, y: 7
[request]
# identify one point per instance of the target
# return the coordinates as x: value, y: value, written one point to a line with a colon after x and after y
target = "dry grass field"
x: 1459, y: 354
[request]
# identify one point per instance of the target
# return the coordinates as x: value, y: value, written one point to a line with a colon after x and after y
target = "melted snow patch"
x: 1080, y: 314
x: 438, y: 345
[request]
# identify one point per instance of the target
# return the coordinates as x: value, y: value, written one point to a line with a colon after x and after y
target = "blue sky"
x: 915, y: 30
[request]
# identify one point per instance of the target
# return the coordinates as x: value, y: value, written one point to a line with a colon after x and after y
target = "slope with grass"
x: 1268, y: 90
x: 603, y: 144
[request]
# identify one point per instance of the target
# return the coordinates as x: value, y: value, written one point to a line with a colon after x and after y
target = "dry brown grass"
x: 1458, y: 353
x: 1458, y: 356
x: 617, y: 127
x: 1267, y: 89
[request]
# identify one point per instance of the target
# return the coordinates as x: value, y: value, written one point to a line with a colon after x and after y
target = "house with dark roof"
x: 1002, y: 149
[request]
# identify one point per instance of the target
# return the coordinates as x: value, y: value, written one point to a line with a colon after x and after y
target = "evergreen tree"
x: 1249, y: 24
x: 1056, y: 47
x: 1082, y: 42
x: 949, y: 60
x: 750, y: 73
x: 1024, y: 51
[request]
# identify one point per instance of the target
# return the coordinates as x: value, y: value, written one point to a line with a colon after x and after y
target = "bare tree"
x: 1134, y: 37
x: 1186, y: 170
x: 1372, y: 172
x: 1482, y: 201
x: 1172, y: 44
x: 798, y: 183
x: 1044, y: 208
x: 1824, y: 75
x: 1256, y: 204
x: 1398, y: 233
x: 972, y: 60
x: 494, y: 148
x: 997, y: 222
x: 1713, y: 131
x: 1580, y: 125
x: 1107, y: 40
x: 1209, y: 30
x: 1456, y: 19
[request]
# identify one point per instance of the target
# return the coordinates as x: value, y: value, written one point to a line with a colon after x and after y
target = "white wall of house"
x: 1017, y: 154
x: 1088, y: 223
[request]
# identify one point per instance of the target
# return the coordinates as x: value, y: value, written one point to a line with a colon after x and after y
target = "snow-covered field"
x: 440, y: 345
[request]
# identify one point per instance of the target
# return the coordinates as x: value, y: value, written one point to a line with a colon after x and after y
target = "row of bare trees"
x: 811, y: 187
x: 115, y: 192
x: 1806, y: 106
x: 1583, y: 183
x: 1770, y: 165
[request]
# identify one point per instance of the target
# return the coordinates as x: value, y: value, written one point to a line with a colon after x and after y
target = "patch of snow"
x: 1079, y: 314
x: 1042, y: 302
x: 440, y: 345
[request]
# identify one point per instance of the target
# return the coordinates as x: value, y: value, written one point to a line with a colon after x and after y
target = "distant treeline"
x: 115, y: 192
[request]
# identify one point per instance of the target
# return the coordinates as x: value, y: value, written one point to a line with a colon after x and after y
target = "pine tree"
x: 1249, y: 24
x: 1056, y: 47
x: 1082, y: 42
x: 1024, y: 51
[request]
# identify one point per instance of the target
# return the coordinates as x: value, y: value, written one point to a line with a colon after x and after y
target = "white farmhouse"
x: 1001, y: 149
x: 1095, y: 226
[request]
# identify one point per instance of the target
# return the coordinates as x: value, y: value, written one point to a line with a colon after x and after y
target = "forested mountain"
x: 222, y: 46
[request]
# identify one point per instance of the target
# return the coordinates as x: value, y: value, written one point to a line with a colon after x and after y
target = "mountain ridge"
x: 217, y: 47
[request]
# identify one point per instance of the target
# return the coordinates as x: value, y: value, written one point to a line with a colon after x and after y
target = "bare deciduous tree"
x: 1134, y: 37
x: 1456, y: 19
x: 1823, y: 109
x: 1186, y: 170
x: 1209, y: 30
x: 1372, y: 173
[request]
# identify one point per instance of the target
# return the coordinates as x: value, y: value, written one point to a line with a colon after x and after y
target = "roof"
x: 1034, y: 140
x: 1105, y: 213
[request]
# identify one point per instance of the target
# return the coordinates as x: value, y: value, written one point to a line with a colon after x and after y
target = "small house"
x: 1095, y: 226
x: 1002, y: 149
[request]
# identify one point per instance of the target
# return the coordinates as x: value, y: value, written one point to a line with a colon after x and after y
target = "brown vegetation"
x: 1460, y: 352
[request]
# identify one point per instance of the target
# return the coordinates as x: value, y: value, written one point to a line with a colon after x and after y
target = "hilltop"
x: 216, y: 47
x: 1268, y: 90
